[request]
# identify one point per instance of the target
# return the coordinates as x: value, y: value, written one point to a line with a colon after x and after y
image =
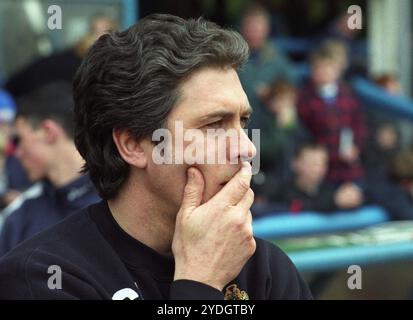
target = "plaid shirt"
x: 326, y: 120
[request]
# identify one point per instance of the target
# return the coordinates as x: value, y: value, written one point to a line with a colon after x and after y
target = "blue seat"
x: 286, y: 224
x: 294, y: 45
x: 335, y: 258
x: 376, y: 97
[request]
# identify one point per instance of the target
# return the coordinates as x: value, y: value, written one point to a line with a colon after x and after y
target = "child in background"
x: 286, y: 134
x: 309, y: 191
x: 332, y: 114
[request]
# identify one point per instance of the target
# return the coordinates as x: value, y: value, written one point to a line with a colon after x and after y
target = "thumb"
x: 193, y: 191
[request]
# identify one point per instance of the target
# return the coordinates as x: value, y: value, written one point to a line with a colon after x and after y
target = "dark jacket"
x: 289, y: 194
x: 325, y: 121
x: 98, y: 260
x: 42, y: 206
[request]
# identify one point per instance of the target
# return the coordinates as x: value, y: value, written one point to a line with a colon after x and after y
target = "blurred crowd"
x: 322, y: 149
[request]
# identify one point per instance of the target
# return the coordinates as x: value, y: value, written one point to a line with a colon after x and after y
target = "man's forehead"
x: 212, y: 91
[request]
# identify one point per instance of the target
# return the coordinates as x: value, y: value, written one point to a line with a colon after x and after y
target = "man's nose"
x: 246, y: 150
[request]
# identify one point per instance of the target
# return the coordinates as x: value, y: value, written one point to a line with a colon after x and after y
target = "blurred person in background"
x: 331, y: 112
x: 382, y: 146
x: 13, y: 178
x: 384, y: 138
x: 395, y: 193
x: 266, y: 62
x: 389, y: 82
x: 338, y: 30
x: 60, y: 66
x: 284, y: 135
x: 7, y: 114
x: 45, y: 147
x: 340, y: 52
x: 308, y: 190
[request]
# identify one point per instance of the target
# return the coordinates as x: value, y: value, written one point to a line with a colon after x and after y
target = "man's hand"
x: 213, y: 241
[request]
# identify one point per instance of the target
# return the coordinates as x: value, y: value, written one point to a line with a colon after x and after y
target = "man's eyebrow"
x: 225, y: 113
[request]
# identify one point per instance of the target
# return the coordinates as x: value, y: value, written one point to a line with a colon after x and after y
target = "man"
x: 163, y: 231
x: 44, y: 129
x: 13, y: 178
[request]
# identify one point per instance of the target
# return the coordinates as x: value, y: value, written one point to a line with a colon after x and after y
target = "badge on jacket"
x: 233, y: 293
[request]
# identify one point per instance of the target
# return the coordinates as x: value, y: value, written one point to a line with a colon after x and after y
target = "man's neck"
x: 66, y: 166
x: 138, y: 213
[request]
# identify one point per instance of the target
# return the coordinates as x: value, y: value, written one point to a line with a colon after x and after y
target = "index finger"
x: 235, y: 189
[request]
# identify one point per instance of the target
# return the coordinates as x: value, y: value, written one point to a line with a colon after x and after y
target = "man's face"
x: 311, y: 166
x: 210, y: 99
x: 32, y: 150
x: 255, y: 30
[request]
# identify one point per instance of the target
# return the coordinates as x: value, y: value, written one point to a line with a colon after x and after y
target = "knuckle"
x: 244, y: 184
x: 248, y: 234
x: 239, y: 222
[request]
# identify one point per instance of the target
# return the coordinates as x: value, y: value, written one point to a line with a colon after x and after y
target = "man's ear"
x: 52, y: 130
x: 130, y: 149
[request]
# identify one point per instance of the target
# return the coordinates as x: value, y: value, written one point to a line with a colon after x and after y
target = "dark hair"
x: 130, y: 80
x: 401, y: 166
x: 52, y: 101
x: 309, y: 145
x: 277, y: 88
x: 254, y: 10
x: 321, y: 53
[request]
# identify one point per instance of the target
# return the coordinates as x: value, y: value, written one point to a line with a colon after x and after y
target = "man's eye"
x: 215, y: 125
x: 245, y: 121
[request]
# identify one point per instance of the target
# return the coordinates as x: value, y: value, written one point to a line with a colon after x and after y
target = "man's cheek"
x: 208, y: 192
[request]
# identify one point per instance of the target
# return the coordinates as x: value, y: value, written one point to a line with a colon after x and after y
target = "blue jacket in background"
x: 42, y: 206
